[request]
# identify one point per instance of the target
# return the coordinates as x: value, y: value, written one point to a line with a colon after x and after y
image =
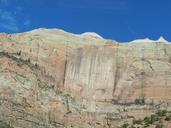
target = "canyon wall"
x: 51, y: 78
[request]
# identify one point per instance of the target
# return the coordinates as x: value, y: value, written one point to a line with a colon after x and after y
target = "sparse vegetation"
x: 156, y: 120
x: 136, y: 102
x: 150, y: 120
x: 20, y: 60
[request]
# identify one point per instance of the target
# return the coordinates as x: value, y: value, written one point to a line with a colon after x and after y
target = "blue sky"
x: 121, y: 20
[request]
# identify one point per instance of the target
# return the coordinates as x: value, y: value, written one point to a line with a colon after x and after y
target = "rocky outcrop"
x: 51, y: 78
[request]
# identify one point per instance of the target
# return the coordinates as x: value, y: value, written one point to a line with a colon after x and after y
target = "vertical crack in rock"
x: 165, y: 50
x: 116, y: 77
x: 92, y: 63
x: 65, y: 69
x: 78, y: 61
x: 36, y: 85
x: 143, y: 73
x: 116, y: 72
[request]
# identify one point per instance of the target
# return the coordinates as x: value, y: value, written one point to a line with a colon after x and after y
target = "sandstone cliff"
x: 51, y: 78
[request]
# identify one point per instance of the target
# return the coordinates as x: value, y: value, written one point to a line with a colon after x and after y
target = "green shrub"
x: 147, y: 120
x: 4, y: 54
x: 139, y: 101
x: 154, y: 118
x: 5, y: 125
x: 150, y: 120
x: 114, y: 101
x: 161, y: 113
x: 126, y: 125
